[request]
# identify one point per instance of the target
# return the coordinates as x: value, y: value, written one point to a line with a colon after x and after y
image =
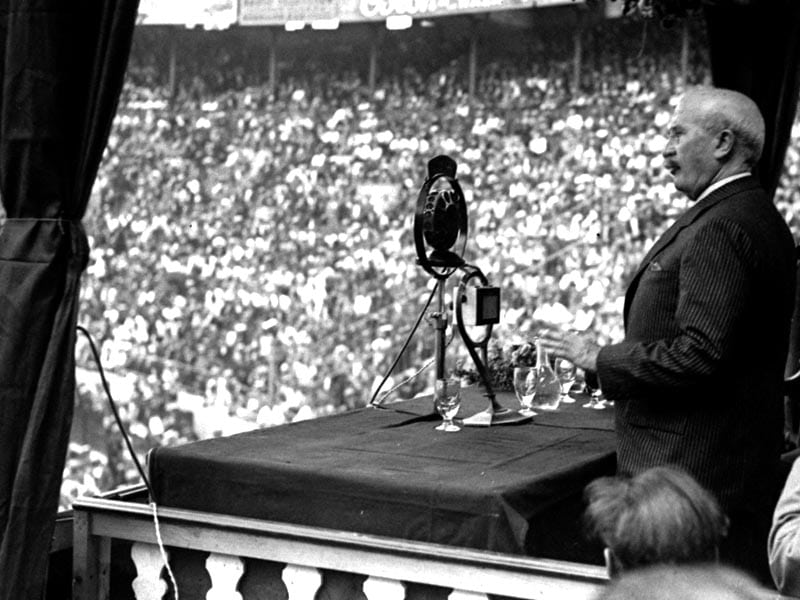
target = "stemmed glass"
x: 525, y: 388
x: 599, y: 399
x: 447, y: 400
x: 566, y: 373
x: 596, y: 399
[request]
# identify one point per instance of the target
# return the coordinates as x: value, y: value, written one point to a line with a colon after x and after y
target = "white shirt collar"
x: 718, y: 184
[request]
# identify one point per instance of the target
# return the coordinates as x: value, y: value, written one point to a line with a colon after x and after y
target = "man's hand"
x: 576, y: 347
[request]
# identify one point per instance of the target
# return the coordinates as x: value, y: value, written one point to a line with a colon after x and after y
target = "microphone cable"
x: 129, y: 445
x: 402, y: 350
x: 114, y: 410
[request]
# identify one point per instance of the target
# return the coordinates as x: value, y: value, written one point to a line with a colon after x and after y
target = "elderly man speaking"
x: 697, y: 379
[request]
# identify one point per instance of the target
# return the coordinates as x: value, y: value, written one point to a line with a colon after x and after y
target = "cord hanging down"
x: 127, y: 439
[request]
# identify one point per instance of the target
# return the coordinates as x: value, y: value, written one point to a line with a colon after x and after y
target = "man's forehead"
x: 676, y: 119
x: 684, y: 113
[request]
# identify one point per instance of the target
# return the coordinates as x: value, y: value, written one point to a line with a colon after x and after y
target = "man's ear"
x: 724, y: 143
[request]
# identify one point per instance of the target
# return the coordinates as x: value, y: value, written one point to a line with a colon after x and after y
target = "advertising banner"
x: 380, y: 9
x: 218, y: 14
x: 210, y: 14
x: 277, y: 12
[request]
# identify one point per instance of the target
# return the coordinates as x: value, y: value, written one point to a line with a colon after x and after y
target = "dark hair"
x: 661, y: 515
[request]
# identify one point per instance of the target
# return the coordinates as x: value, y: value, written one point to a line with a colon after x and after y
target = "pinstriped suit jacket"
x: 697, y: 380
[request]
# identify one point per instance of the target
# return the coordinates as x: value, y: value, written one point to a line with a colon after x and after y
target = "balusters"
x: 301, y: 583
x: 225, y: 572
x: 148, y: 584
x: 379, y: 588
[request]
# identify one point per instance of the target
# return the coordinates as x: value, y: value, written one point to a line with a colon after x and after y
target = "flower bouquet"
x: 501, y: 360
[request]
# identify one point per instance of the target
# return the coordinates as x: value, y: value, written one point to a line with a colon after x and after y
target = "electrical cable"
x: 163, y: 550
x: 403, y: 348
x: 114, y: 410
x: 129, y: 444
x: 411, y: 377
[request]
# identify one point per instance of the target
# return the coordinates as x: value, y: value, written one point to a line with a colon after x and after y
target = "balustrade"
x: 383, y: 568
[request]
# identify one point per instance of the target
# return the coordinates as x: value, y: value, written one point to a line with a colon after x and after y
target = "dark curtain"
x: 755, y: 48
x: 63, y: 65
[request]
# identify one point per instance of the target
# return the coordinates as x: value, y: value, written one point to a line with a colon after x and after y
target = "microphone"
x: 440, y: 223
x: 441, y: 217
x: 442, y: 164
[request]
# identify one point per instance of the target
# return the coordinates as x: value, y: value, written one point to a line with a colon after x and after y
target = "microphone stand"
x: 440, y: 325
x: 440, y: 221
x: 495, y: 412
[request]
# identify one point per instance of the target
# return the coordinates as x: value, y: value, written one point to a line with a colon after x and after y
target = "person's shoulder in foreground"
x: 686, y: 582
x: 784, y: 536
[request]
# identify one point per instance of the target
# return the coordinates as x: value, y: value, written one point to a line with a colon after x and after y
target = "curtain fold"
x: 755, y: 48
x: 62, y: 68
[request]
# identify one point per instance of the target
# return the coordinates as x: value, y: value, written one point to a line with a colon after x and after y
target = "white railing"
x: 232, y: 543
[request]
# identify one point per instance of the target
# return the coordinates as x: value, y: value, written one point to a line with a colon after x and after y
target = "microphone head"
x: 441, y: 218
x: 440, y: 224
x: 442, y: 164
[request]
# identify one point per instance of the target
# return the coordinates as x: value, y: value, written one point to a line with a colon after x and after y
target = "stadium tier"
x: 252, y: 259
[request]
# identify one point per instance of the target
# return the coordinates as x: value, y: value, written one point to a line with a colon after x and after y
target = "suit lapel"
x: 686, y: 219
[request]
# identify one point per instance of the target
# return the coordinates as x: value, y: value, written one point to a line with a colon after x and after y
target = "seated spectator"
x: 784, y: 536
x: 685, y: 582
x: 660, y: 516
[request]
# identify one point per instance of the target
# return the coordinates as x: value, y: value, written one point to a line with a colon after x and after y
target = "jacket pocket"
x: 657, y: 417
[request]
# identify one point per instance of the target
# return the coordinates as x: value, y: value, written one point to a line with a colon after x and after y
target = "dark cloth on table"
x: 511, y: 488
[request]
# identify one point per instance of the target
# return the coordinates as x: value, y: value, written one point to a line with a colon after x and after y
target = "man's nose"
x: 669, y: 150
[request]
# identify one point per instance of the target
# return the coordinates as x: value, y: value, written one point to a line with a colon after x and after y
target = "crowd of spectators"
x: 252, y: 250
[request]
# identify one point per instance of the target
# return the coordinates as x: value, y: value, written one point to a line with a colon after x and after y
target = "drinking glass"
x: 566, y: 373
x: 599, y: 400
x: 596, y: 398
x: 447, y: 400
x: 525, y: 388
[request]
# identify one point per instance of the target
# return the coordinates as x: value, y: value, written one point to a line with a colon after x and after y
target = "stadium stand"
x: 252, y: 258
